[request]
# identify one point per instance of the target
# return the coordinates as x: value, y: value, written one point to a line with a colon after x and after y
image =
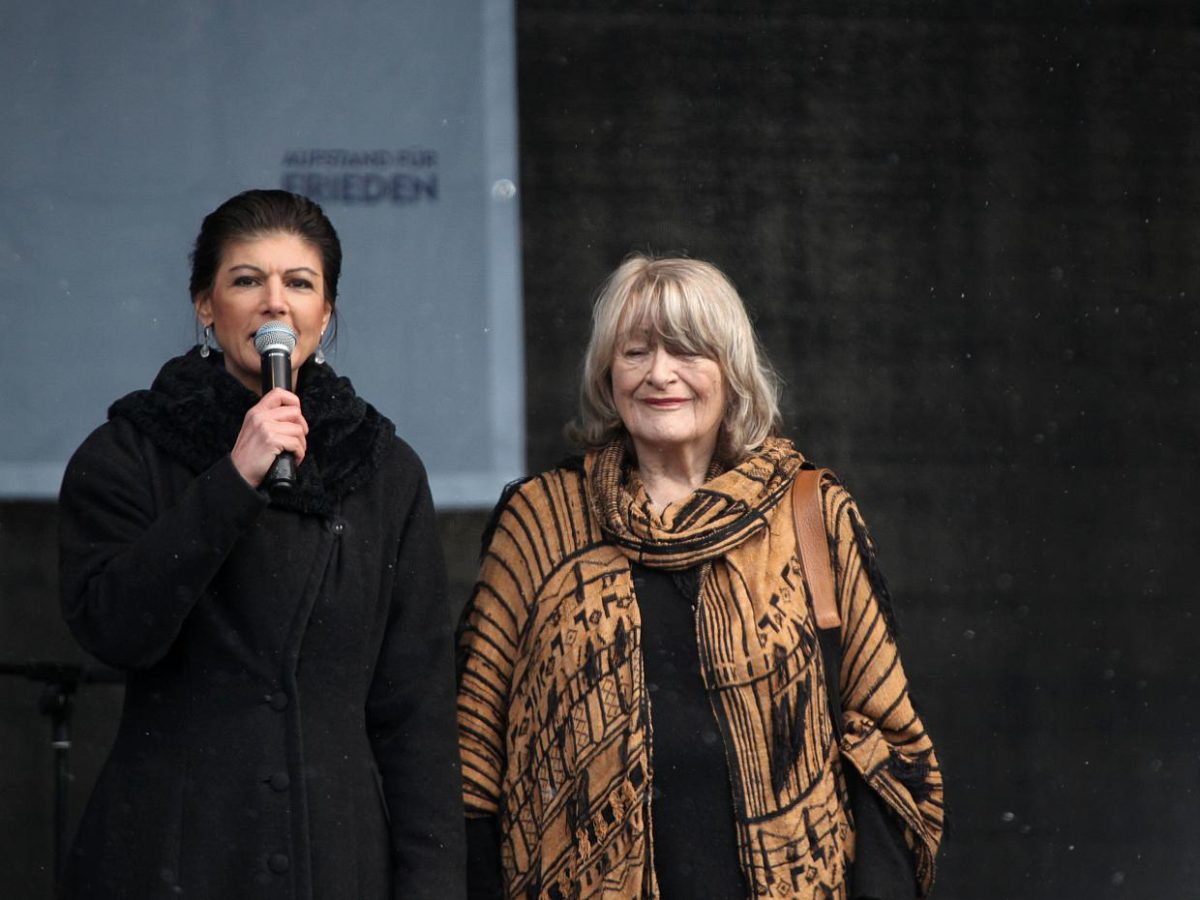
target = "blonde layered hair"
x: 690, y: 306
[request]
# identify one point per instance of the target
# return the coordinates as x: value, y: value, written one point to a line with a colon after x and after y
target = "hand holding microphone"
x: 272, y: 440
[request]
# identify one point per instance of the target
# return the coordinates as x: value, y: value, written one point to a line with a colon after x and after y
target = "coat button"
x: 278, y: 701
x: 279, y: 781
x: 337, y: 526
x: 278, y: 863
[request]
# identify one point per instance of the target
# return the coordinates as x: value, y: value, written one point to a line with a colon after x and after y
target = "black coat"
x: 290, y: 685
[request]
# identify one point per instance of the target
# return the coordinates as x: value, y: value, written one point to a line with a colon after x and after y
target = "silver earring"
x: 319, y: 356
x: 205, y: 348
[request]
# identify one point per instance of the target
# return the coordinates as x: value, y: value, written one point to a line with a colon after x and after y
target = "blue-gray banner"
x: 126, y: 123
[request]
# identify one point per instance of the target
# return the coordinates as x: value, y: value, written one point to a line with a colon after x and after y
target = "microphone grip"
x: 277, y: 372
x: 282, y: 474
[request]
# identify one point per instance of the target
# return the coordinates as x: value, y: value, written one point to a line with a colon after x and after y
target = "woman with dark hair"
x: 644, y: 708
x: 288, y: 726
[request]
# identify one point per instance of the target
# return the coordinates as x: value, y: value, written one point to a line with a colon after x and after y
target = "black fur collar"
x: 194, y: 411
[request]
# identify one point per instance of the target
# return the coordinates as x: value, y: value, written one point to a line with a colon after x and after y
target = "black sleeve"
x: 130, y: 572
x: 410, y: 715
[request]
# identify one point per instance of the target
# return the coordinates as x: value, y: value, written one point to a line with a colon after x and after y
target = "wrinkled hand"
x: 272, y: 426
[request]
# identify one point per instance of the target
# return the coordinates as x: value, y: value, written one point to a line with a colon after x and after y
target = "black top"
x: 695, y: 844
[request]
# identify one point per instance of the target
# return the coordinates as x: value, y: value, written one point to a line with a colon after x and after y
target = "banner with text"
x: 127, y: 126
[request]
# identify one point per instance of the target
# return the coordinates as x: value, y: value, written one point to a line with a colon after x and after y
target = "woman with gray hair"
x: 642, y: 700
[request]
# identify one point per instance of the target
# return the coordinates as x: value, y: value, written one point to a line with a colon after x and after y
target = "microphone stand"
x: 60, y: 681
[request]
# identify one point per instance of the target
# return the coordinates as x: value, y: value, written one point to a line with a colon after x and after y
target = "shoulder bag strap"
x: 812, y: 550
x: 812, y: 546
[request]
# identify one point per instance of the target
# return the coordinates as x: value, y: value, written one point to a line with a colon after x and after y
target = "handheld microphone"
x: 275, y: 342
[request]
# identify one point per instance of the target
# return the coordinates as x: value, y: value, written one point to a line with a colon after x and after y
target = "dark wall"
x: 970, y: 241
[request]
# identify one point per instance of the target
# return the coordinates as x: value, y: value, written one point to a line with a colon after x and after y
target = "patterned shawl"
x: 555, y: 721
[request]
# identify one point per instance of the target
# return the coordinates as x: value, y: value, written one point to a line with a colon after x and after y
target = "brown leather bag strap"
x: 812, y: 546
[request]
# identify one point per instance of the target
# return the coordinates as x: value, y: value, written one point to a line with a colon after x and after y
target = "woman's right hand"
x: 273, y: 425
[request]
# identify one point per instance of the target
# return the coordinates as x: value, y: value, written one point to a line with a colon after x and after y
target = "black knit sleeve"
x: 130, y: 571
